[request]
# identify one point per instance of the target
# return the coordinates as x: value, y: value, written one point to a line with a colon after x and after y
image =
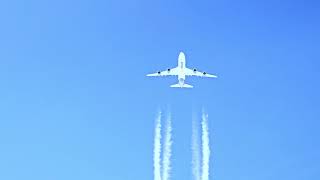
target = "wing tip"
x: 212, y: 76
x: 150, y: 75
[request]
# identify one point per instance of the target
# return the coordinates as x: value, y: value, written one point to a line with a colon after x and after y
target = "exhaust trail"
x: 205, y: 147
x: 166, y: 163
x: 195, y: 151
x: 157, y: 148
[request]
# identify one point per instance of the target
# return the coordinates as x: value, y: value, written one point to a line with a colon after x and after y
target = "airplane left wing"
x: 195, y: 72
x: 168, y: 72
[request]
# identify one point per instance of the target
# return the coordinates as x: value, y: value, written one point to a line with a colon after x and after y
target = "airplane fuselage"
x: 182, y: 66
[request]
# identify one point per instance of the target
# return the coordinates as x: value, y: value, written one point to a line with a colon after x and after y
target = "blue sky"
x: 75, y: 102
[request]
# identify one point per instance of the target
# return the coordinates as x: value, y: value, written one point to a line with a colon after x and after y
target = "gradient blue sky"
x: 75, y: 102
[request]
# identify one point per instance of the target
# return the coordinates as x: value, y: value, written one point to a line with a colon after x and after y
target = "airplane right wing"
x: 168, y: 72
x: 194, y: 72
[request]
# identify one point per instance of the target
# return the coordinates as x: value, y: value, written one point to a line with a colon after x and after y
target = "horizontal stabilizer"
x: 181, y: 86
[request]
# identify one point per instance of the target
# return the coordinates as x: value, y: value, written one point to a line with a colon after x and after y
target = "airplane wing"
x: 195, y: 72
x: 168, y: 72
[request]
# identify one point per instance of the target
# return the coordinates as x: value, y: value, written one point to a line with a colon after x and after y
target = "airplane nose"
x: 181, y: 56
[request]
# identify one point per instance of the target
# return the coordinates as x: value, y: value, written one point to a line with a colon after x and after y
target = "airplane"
x: 181, y: 71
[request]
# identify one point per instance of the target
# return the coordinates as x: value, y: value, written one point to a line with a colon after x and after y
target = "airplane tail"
x: 183, y: 86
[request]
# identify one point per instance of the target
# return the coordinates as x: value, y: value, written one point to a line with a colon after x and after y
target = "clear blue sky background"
x: 75, y: 102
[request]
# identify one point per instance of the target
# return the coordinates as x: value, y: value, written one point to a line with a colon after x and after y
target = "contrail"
x: 166, y: 163
x: 195, y: 151
x: 157, y: 148
x: 205, y: 147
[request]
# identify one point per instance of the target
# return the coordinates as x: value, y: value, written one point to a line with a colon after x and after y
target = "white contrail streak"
x: 157, y: 149
x: 205, y: 147
x: 195, y: 151
x: 166, y: 163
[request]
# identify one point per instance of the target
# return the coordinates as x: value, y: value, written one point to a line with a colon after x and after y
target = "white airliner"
x: 182, y: 71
